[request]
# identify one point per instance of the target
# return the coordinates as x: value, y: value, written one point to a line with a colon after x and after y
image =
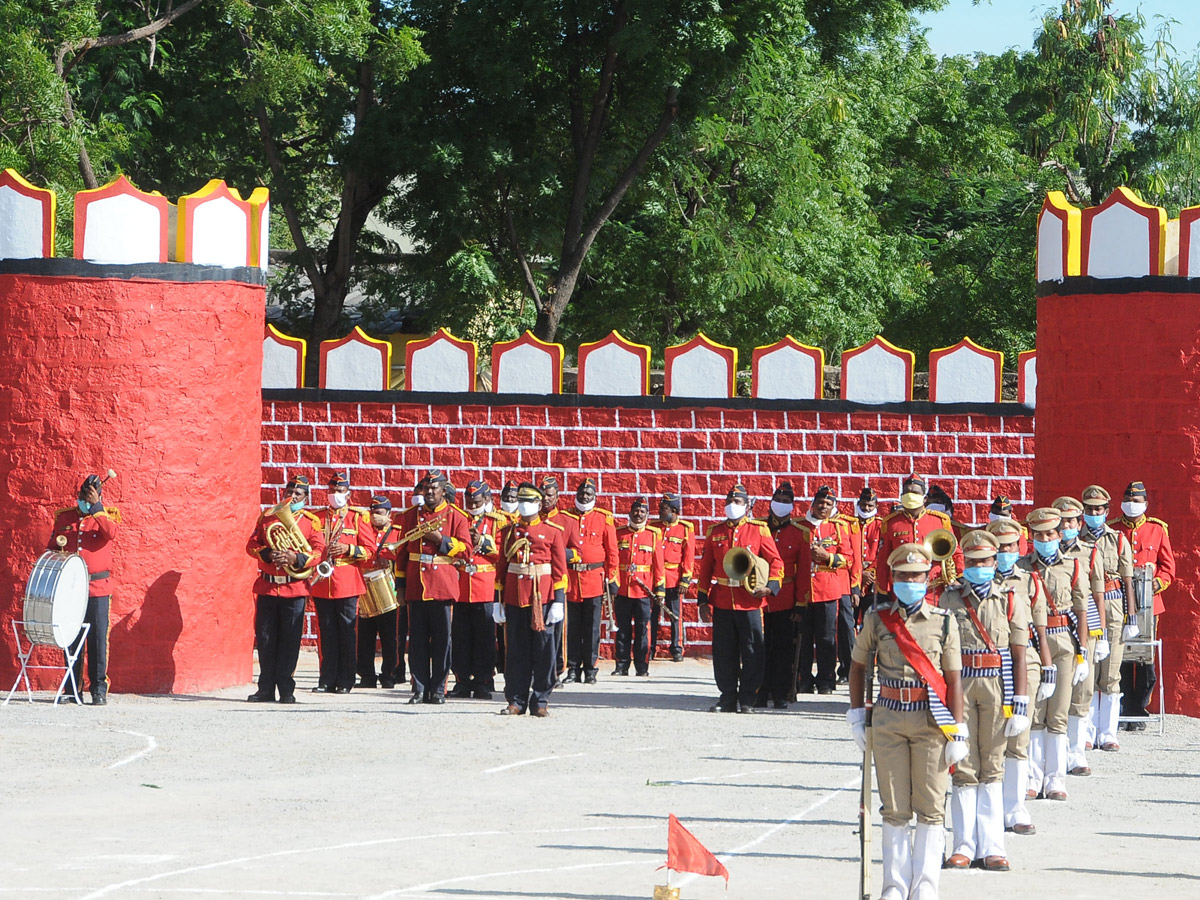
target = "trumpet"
x: 419, y: 531
x: 941, y: 545
x: 285, y: 534
x: 746, y: 567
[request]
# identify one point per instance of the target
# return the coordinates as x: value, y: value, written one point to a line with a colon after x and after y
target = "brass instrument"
x: 747, y: 568
x: 941, y: 545
x: 419, y: 531
x: 285, y: 534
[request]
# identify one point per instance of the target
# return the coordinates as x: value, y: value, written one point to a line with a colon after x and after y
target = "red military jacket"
x: 788, y: 539
x: 477, y: 578
x: 679, y: 550
x: 378, y: 559
x: 752, y: 534
x: 899, y: 528
x: 92, y: 537
x: 273, y: 580
x: 591, y: 552
x: 351, y: 528
x: 641, y: 572
x: 869, y: 531
x: 824, y: 582
x: 430, y: 573
x: 546, y: 549
x: 1151, y: 545
x: 856, y: 548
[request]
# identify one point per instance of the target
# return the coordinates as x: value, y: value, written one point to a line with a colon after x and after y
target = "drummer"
x: 382, y: 626
x: 89, y: 528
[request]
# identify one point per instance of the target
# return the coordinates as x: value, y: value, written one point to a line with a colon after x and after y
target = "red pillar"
x: 1118, y: 400
x: 154, y: 371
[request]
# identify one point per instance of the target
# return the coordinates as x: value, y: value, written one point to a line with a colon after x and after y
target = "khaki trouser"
x: 983, y: 708
x: 1081, y: 694
x: 1108, y: 673
x: 1051, y: 714
x: 1018, y: 747
x: 910, y: 759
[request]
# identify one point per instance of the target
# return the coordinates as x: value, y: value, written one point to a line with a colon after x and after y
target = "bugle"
x: 418, y: 531
x: 746, y: 568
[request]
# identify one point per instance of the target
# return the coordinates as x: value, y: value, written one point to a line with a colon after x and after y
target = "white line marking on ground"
x: 529, y: 762
x: 462, y: 878
x: 151, y: 745
x: 702, y: 778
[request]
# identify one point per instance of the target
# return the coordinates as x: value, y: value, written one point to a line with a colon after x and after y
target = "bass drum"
x: 56, y: 599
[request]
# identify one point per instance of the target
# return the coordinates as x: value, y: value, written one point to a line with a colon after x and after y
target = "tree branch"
x: 515, y: 242
x: 79, y: 48
x: 1073, y: 192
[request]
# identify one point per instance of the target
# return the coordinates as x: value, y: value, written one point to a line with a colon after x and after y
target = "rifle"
x: 864, y: 799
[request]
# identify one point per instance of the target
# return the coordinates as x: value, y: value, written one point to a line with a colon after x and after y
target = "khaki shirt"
x: 1025, y: 592
x: 930, y: 627
x: 1005, y: 626
x: 1063, y: 589
x: 1113, y: 558
x: 1082, y: 551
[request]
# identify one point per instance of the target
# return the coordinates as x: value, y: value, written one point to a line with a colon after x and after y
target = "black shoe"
x: 341, y: 690
x: 843, y: 679
x: 677, y: 657
x: 388, y: 685
x: 322, y: 689
x: 722, y: 708
x: 621, y: 671
x: 806, y: 689
x: 824, y: 689
x: 102, y: 700
x: 645, y: 674
x: 288, y: 698
x: 748, y: 710
x: 460, y: 691
x: 760, y: 703
x: 435, y: 700
x: 589, y: 678
x: 482, y: 695
x: 365, y: 684
x: 260, y: 697
x: 1137, y: 726
x: 415, y: 698
x: 559, y: 682
x: 781, y: 704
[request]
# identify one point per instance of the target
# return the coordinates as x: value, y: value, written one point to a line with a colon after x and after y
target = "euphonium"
x: 285, y: 534
x: 941, y: 545
x: 746, y: 568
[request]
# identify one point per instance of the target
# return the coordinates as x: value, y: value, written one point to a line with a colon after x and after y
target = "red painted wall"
x: 1118, y: 401
x: 699, y: 451
x: 159, y: 379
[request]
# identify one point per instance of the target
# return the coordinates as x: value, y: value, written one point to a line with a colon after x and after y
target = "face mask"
x: 585, y: 507
x: 782, y: 510
x: 995, y: 517
x: 1046, y: 549
x: 862, y: 513
x: 1069, y: 534
x: 296, y: 506
x: 487, y: 507
x: 910, y: 593
x: 979, y: 574
x: 529, y: 508
x: 1133, y: 509
x: 338, y: 500
x: 734, y: 511
x: 1006, y: 560
x: 418, y: 499
x: 1094, y: 522
x: 84, y: 506
x: 509, y: 506
x: 380, y: 522
x: 936, y: 507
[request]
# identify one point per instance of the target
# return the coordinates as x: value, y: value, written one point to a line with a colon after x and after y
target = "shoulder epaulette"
x: 113, y: 513
x: 573, y: 513
x: 891, y: 515
x: 553, y: 524
x: 312, y: 515
x: 59, y: 512
x: 460, y: 509
x: 941, y: 515
x: 687, y: 524
x: 499, y: 517
x: 1159, y: 522
x: 1115, y: 520
x: 802, y: 524
x: 710, y: 529
x: 937, y: 610
x: 851, y: 521
x: 655, y: 529
x: 762, y: 522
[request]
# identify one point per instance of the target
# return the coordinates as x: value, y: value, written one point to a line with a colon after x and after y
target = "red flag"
x: 686, y: 854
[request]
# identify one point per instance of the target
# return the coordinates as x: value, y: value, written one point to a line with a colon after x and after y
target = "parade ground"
x: 364, y: 796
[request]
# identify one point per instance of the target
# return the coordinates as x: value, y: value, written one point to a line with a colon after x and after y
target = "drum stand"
x: 68, y: 675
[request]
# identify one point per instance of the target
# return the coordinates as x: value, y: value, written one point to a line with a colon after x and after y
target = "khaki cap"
x: 910, y: 558
x: 1002, y: 528
x: 1043, y: 518
x: 1069, y: 507
x: 979, y: 545
x: 1095, y: 494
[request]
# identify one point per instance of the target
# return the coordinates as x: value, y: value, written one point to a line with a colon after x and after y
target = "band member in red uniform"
x: 1151, y: 546
x: 913, y: 523
x: 866, y: 510
x: 533, y: 571
x: 591, y: 565
x: 848, y: 605
x: 473, y: 630
x: 779, y: 620
x: 382, y: 627
x: 551, y: 513
x: 640, y: 580
x: 822, y: 579
x: 736, y: 613
x: 281, y: 591
x: 349, y: 541
x: 508, y: 501
x: 440, y: 535
x: 679, y: 562
x: 89, y: 528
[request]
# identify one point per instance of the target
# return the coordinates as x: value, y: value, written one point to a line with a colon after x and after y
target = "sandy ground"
x: 365, y: 796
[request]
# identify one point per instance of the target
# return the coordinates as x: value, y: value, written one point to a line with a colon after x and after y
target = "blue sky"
x: 992, y: 27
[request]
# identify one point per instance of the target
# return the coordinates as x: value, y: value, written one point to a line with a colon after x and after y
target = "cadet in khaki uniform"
x: 989, y: 618
x: 1112, y: 582
x: 1063, y: 583
x: 914, y: 742
x: 1020, y: 586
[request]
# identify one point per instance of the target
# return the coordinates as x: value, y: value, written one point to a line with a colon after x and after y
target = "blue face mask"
x: 910, y: 593
x: 297, y: 506
x: 1006, y: 561
x: 1046, y: 549
x: 979, y: 574
x: 84, y: 506
x: 1093, y: 521
x: 1069, y: 534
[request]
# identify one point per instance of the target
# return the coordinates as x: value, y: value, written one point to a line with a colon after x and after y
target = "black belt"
x: 99, y: 576
x: 585, y: 567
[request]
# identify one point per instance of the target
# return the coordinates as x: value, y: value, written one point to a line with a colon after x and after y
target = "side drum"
x: 380, y: 594
x: 56, y: 599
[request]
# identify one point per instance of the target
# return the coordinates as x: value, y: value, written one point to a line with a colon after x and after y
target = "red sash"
x: 914, y: 655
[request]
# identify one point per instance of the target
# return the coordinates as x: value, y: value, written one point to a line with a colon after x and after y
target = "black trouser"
x: 278, y: 624
x: 473, y: 645
x: 96, y: 650
x: 429, y: 646
x: 1138, y: 680
x: 672, y: 603
x: 384, y: 628
x: 583, y: 635
x: 556, y: 632
x: 529, y: 659
x: 845, y: 634
x: 633, y: 619
x: 335, y: 621
x: 818, y: 628
x: 738, y: 655
x: 400, y: 673
x: 779, y: 642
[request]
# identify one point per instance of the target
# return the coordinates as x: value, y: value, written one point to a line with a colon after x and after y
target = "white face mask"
x: 812, y: 520
x: 338, y: 500
x: 1134, y: 509
x: 528, y: 508
x: 509, y: 506
x: 585, y: 507
x: 487, y: 507
x: 862, y: 513
x: 993, y: 517
x: 936, y: 507
x: 782, y: 510
x: 734, y: 511
x: 418, y: 499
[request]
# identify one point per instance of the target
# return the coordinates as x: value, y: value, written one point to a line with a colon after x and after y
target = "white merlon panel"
x: 787, y: 374
x: 220, y: 234
x: 1050, y: 249
x: 875, y: 376
x: 525, y: 369
x: 1029, y: 397
x: 441, y: 366
x: 280, y: 364
x: 964, y: 376
x: 354, y: 366
x: 21, y: 225
x: 614, y: 371
x: 122, y: 229
x: 1120, y: 244
x: 700, y: 372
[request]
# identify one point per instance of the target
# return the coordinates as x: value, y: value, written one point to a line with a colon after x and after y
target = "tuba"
x: 941, y: 545
x: 746, y: 568
x: 285, y: 534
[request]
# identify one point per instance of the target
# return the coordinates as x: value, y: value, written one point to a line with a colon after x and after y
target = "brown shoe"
x: 956, y: 861
x: 1031, y: 795
x: 541, y: 712
x: 996, y: 864
x: 1025, y: 829
x: 512, y: 710
x: 1056, y: 795
x: 1080, y: 770
x: 1110, y: 747
x: 1088, y: 746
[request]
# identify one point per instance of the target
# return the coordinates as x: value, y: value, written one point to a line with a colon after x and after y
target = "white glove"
x: 1081, y: 672
x: 554, y: 614
x: 1049, y: 679
x: 1130, y: 631
x: 857, y: 720
x: 498, y: 613
x: 956, y: 748
x: 1018, y: 722
x: 1102, y: 650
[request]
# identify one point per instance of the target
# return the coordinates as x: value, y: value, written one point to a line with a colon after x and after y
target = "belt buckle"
x: 908, y: 694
